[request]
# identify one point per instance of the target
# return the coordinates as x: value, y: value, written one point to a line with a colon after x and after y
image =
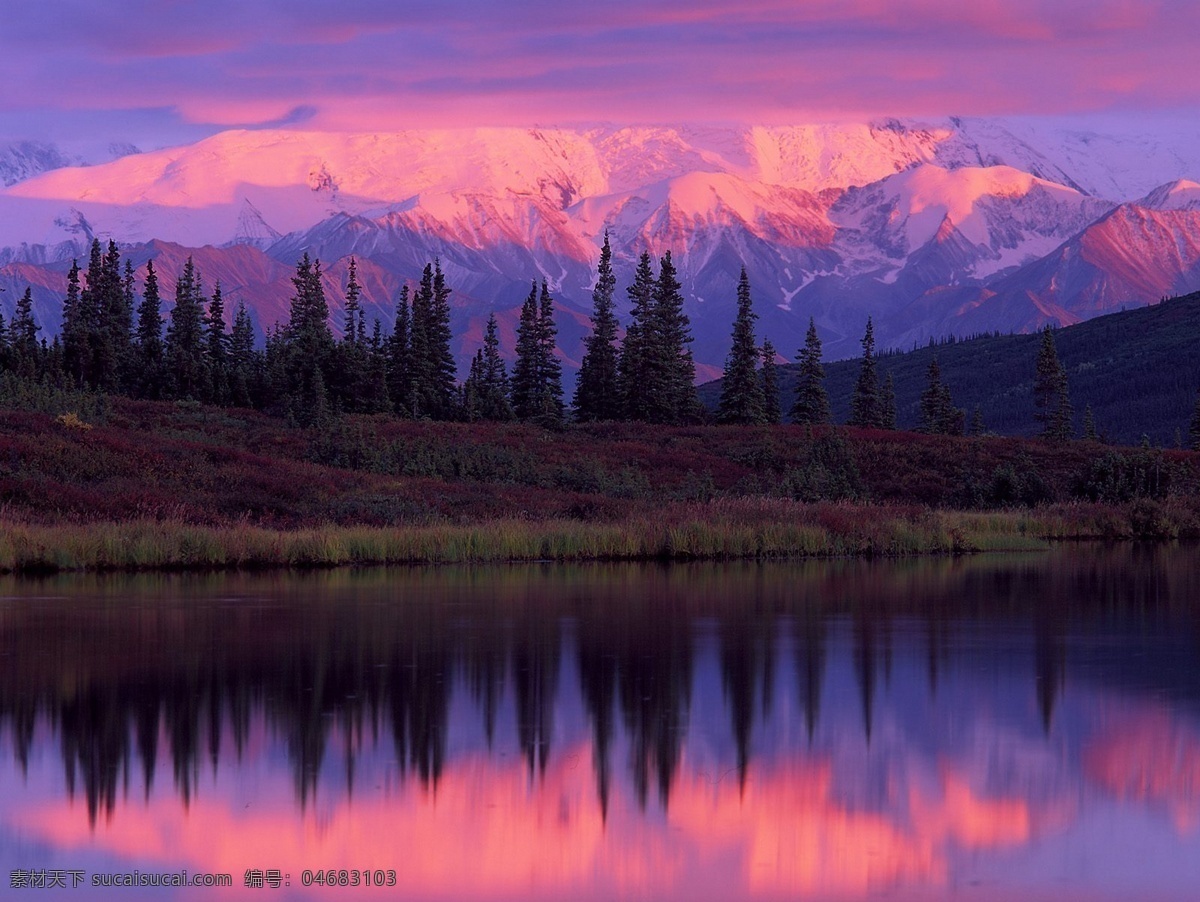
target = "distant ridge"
x: 1139, y: 370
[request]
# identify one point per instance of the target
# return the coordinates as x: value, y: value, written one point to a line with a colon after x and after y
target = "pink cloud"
x: 368, y: 64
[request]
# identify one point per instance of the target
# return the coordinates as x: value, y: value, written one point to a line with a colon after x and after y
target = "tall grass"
x: 724, y: 529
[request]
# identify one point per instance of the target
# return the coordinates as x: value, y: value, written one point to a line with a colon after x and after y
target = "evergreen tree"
x: 399, y: 372
x: 91, y: 306
x: 552, y: 391
x: 866, y: 408
x: 352, y: 327
x: 1050, y: 395
x: 635, y: 366
x: 217, y: 349
x: 375, y: 398
x: 1089, y: 425
x: 741, y: 389
x: 125, y: 333
x: 5, y: 361
x: 888, y: 403
x: 243, y: 360
x: 184, y: 353
x: 525, y: 368
x: 939, y: 416
x: 772, y: 412
x: 537, y: 374
x: 76, y: 329
x: 597, y: 391
x: 431, y: 361
x: 274, y: 388
x: 52, y: 363
x: 468, y: 402
x: 112, y: 325
x: 309, y: 343
x: 350, y: 361
x: 812, y: 403
x: 24, y: 350
x: 494, y: 403
x: 977, y: 426
x: 149, y: 338
x: 418, y: 346
x: 675, y: 400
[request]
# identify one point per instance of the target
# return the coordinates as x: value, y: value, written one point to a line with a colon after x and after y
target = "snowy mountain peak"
x: 1180, y: 194
x: 252, y: 228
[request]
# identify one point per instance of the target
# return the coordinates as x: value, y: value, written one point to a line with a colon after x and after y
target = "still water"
x: 984, y: 728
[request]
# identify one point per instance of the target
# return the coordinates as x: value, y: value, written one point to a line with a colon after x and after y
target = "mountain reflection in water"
x: 983, y: 726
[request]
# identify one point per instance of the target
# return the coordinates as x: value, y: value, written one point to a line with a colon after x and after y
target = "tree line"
x: 114, y: 342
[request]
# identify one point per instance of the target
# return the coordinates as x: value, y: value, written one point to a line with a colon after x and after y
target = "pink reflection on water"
x: 1150, y: 758
x: 490, y: 830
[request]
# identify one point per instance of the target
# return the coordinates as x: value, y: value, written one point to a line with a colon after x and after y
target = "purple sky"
x: 169, y: 71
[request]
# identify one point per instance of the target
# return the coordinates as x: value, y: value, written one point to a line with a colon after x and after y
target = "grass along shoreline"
x: 725, y: 530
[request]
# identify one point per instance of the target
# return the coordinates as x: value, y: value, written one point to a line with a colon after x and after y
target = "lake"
x: 980, y: 728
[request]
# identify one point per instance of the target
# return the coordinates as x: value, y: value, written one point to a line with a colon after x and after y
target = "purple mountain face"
x: 955, y: 227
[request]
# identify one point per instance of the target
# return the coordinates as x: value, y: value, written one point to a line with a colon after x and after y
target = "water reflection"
x: 985, y: 725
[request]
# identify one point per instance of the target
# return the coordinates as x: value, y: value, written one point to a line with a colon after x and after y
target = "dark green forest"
x: 1138, y: 371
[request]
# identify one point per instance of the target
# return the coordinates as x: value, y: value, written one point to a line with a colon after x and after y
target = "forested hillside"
x: 1138, y: 370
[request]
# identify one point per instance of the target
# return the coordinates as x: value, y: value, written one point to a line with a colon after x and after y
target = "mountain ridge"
x: 950, y: 227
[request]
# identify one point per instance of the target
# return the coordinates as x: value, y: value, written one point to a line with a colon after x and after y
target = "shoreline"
x: 745, y: 530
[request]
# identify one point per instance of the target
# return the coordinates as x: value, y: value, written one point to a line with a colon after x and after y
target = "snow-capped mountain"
x: 950, y: 227
x: 23, y: 160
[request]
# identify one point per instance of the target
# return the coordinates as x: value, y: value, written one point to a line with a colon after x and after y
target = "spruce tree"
x: 243, y: 361
x: 91, y: 307
x: 111, y: 334
x: 309, y: 343
x: 636, y: 373
x: 772, y: 412
x: 376, y: 399
x: 418, y: 346
x: 184, y: 353
x: 552, y: 391
x: 24, y: 350
x: 76, y: 329
x: 977, y: 426
x: 352, y: 325
x: 939, y: 416
x: 741, y: 389
x: 675, y: 400
x: 1089, y: 425
x: 275, y: 387
x: 1050, y: 395
x: 399, y: 372
x: 525, y: 368
x: 149, y: 338
x: 537, y: 373
x: 217, y: 349
x: 597, y: 391
x: 887, y: 402
x: 350, y: 360
x: 468, y: 403
x: 811, y: 406
x: 494, y: 403
x: 126, y: 332
x: 443, y: 369
x: 431, y: 360
x: 866, y: 408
